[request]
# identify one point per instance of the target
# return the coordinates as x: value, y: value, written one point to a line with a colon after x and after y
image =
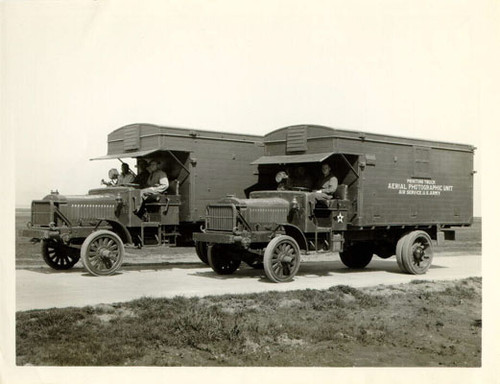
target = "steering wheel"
x: 130, y: 185
x: 302, y: 189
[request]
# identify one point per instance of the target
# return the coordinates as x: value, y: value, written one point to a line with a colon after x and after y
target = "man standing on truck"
x: 157, y: 184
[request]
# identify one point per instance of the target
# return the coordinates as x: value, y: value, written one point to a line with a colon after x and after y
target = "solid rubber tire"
x: 399, y: 252
x: 202, y: 251
x: 357, y: 256
x: 281, y: 243
x: 59, y: 256
x: 221, y: 260
x: 88, y: 244
x: 409, y: 261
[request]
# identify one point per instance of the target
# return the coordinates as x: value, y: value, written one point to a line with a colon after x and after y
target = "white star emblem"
x: 340, y: 218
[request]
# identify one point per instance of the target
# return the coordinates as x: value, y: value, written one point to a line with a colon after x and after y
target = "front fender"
x: 295, y: 232
x: 120, y: 230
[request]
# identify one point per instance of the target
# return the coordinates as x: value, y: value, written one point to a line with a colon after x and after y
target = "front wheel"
x: 357, y: 256
x: 58, y: 255
x: 281, y: 259
x: 221, y: 260
x: 102, y: 253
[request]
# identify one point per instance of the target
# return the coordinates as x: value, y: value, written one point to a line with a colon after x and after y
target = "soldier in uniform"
x: 126, y: 176
x: 157, y: 183
x: 326, y: 186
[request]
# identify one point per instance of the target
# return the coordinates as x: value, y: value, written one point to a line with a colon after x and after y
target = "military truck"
x: 396, y: 196
x: 200, y: 165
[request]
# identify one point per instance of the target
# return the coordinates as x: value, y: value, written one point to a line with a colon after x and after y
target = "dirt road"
x: 41, y: 288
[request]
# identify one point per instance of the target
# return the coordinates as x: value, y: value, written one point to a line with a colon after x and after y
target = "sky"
x: 74, y: 71
x: 77, y: 70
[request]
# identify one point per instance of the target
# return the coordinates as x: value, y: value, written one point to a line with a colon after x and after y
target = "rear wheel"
x: 102, y: 253
x: 201, y: 251
x: 281, y: 259
x: 221, y: 259
x: 399, y: 253
x: 58, y: 255
x: 357, y: 256
x: 417, y: 252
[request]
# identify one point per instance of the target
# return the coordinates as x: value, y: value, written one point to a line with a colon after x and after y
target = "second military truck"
x: 396, y: 196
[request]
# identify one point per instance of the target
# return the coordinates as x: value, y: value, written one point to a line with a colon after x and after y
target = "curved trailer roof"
x: 297, y: 133
x: 138, y: 140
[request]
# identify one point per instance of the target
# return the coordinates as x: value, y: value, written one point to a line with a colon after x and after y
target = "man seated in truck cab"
x: 126, y: 176
x: 142, y: 174
x: 118, y: 179
x: 298, y: 181
x: 113, y: 178
x: 301, y: 180
x: 282, y: 180
x: 327, y: 185
x: 157, y: 184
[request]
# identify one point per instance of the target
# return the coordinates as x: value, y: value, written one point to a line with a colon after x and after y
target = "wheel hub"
x: 284, y: 257
x: 104, y: 252
x: 419, y: 253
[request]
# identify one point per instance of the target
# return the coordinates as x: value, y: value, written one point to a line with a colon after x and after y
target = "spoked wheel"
x: 102, y: 253
x: 58, y: 255
x: 357, y: 256
x: 221, y: 260
x: 281, y: 259
x: 417, y: 252
x: 202, y: 251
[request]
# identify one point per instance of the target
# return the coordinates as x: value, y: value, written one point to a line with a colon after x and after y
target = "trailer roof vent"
x: 131, y: 138
x: 296, y: 139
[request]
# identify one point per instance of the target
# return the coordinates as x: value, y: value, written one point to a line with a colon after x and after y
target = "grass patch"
x: 341, y: 326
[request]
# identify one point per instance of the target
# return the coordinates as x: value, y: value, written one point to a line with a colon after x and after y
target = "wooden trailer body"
x: 206, y: 164
x: 391, y: 181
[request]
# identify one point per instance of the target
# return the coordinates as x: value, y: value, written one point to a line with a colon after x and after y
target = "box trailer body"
x: 206, y: 164
x: 200, y: 166
x: 401, y: 180
x: 390, y: 188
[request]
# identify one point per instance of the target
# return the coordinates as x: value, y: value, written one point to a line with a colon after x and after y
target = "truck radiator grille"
x: 87, y: 212
x: 41, y: 213
x: 221, y: 217
x: 268, y: 215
